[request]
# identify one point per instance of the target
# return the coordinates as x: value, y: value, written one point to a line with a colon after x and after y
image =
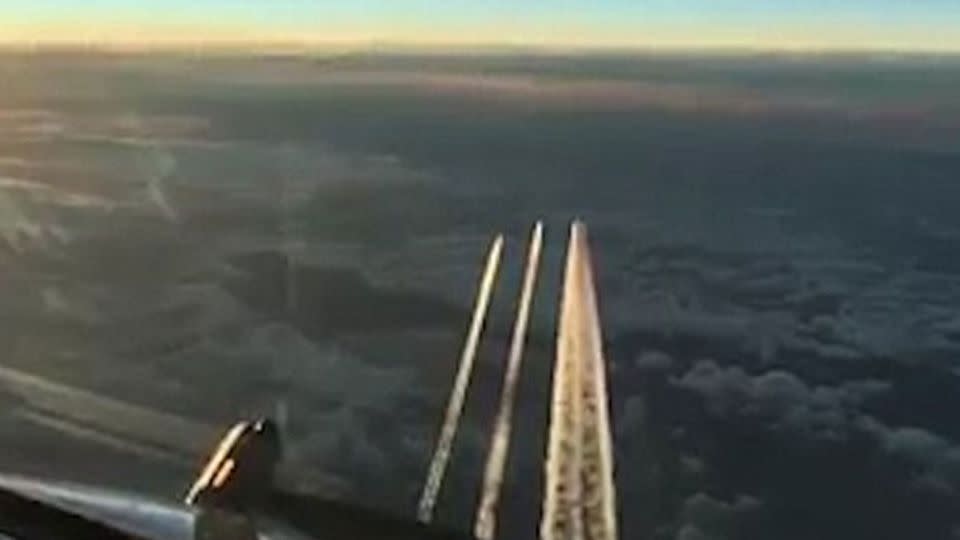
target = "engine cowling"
x: 239, y: 475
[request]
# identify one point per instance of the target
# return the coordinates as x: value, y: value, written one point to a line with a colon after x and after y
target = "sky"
x: 903, y: 25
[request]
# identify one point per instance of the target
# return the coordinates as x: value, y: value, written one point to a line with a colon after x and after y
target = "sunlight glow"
x: 684, y: 24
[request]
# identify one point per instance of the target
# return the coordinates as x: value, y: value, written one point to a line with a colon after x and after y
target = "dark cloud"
x: 323, y: 302
x: 832, y: 414
x: 653, y: 361
x: 936, y: 457
x: 706, y: 518
x: 781, y: 397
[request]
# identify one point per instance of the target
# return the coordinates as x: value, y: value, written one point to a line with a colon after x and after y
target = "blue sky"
x: 896, y: 24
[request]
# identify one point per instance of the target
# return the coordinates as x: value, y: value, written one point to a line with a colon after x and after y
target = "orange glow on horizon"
x: 168, y: 35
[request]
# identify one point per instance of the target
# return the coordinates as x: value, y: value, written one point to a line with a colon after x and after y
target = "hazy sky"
x: 884, y: 24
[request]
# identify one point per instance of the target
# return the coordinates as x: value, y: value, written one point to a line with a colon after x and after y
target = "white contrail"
x: 441, y: 456
x: 564, y: 446
x: 580, y: 499
x: 600, y: 503
x: 486, y: 524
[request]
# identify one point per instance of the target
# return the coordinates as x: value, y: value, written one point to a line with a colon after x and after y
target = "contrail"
x: 580, y: 499
x: 485, y: 526
x: 441, y: 456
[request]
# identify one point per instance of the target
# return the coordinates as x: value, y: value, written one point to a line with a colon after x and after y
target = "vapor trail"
x: 580, y: 499
x: 441, y: 456
x: 485, y: 526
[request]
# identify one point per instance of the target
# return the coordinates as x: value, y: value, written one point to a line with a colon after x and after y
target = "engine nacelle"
x: 240, y: 473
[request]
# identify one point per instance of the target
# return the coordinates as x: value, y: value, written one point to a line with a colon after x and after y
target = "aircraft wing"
x: 158, y: 435
x: 113, y: 423
x: 31, y: 508
x: 132, y: 429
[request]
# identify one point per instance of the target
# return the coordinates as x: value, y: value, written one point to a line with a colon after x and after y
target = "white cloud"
x: 31, y: 125
x: 813, y: 298
x: 35, y: 215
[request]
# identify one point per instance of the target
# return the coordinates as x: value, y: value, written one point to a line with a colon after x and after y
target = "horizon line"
x: 294, y: 46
